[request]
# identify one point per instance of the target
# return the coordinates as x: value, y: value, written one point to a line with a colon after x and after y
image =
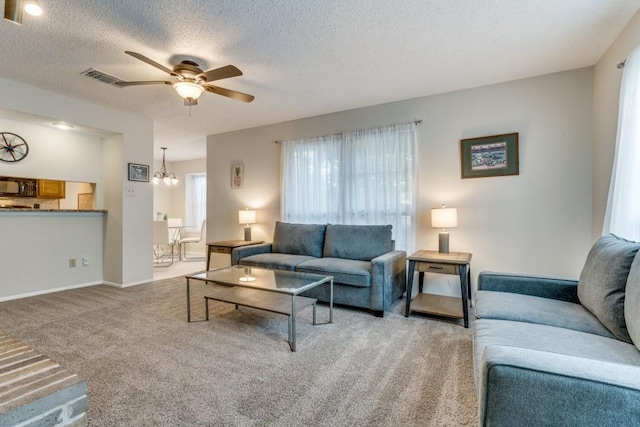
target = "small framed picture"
x: 237, y: 176
x: 138, y: 172
x: 495, y: 155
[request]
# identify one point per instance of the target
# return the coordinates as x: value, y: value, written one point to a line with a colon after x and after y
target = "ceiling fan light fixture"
x: 32, y: 7
x: 188, y: 90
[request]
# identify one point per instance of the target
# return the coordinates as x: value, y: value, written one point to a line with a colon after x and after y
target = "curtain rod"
x: 621, y: 64
x: 417, y: 122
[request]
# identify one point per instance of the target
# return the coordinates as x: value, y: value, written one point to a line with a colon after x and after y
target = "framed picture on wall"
x: 237, y: 176
x: 495, y: 155
x: 138, y: 172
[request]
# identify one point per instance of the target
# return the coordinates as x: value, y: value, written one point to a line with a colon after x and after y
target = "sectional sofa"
x: 368, y: 273
x: 550, y: 352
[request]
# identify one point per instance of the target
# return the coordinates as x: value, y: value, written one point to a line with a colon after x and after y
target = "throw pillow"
x: 299, y: 239
x: 601, y: 287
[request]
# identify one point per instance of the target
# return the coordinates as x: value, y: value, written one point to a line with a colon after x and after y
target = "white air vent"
x: 99, y: 75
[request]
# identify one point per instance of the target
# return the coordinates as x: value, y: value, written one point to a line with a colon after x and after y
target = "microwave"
x: 17, y: 187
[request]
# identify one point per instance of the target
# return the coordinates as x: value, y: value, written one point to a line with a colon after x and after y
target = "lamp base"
x: 247, y: 234
x: 443, y: 242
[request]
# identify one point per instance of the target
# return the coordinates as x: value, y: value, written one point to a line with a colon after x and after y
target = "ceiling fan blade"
x: 155, y: 82
x: 150, y: 62
x: 220, y: 73
x: 229, y: 93
x: 191, y: 103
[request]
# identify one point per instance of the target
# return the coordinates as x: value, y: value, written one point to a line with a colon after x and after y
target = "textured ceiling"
x: 300, y: 58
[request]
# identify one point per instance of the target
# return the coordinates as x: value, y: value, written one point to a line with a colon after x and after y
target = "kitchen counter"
x: 38, y: 212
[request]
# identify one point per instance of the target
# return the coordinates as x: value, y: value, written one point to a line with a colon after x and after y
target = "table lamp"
x: 247, y: 217
x: 444, y: 218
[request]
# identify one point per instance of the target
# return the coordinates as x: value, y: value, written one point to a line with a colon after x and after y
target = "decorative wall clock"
x: 13, y: 148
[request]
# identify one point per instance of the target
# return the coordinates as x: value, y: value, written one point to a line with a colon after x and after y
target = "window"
x: 362, y: 177
x: 196, y: 199
x: 623, y: 207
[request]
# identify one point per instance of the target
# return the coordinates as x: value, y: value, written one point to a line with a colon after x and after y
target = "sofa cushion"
x: 360, y: 242
x: 532, y: 309
x: 549, y: 338
x: 632, y: 302
x: 346, y: 271
x: 299, y: 239
x: 603, y: 280
x: 275, y: 261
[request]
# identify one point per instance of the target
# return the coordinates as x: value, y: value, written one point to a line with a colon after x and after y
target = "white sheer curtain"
x: 362, y: 177
x: 196, y: 200
x: 623, y: 207
x: 311, y: 180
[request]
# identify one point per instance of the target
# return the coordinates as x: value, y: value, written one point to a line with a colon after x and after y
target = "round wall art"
x: 13, y: 148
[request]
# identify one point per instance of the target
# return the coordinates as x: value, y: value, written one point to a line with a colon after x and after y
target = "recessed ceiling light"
x: 62, y: 125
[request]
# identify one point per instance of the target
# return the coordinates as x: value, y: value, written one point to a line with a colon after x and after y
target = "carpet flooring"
x: 146, y: 366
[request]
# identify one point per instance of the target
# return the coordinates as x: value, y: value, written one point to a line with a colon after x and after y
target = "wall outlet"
x: 72, y: 262
x: 129, y: 191
x: 85, y: 261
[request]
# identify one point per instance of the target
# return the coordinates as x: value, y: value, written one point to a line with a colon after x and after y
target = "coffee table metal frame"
x: 275, y: 291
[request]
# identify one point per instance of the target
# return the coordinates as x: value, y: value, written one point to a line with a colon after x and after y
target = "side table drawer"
x: 432, y: 267
x: 219, y: 250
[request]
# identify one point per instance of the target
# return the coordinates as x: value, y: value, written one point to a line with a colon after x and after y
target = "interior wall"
x: 129, y: 252
x: 55, y: 154
x: 606, y: 96
x: 537, y: 222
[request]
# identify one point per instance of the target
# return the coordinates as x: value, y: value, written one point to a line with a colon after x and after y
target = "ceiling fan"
x: 191, y: 81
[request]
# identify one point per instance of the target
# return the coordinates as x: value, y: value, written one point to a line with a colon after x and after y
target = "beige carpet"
x: 146, y: 366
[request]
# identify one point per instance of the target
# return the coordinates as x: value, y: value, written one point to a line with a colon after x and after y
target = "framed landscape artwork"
x: 495, y: 155
x: 138, y: 172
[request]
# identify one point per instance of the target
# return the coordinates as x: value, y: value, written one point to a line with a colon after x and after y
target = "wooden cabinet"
x: 51, y: 189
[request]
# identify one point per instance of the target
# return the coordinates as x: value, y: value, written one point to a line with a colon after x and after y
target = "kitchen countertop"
x: 54, y: 211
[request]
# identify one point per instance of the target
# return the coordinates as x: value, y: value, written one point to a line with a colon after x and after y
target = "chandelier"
x: 162, y: 176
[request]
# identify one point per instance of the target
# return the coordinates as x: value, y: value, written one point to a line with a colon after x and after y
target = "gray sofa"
x: 367, y: 272
x: 551, y: 352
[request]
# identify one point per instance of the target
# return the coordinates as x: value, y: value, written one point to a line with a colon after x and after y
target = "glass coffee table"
x: 275, y: 291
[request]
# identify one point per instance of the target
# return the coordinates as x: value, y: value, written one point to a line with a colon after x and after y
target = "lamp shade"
x: 246, y: 216
x: 444, y: 217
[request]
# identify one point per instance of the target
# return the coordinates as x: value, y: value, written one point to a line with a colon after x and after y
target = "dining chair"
x: 175, y: 229
x: 182, y: 251
x: 161, y: 244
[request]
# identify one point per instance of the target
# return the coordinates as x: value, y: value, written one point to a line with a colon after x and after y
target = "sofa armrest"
x: 520, y: 386
x: 244, y: 251
x: 388, y: 279
x: 546, y: 287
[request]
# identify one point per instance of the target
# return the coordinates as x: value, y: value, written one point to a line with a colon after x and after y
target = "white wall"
x: 55, y: 154
x: 607, y: 79
x: 537, y: 222
x: 128, y: 237
x: 32, y: 265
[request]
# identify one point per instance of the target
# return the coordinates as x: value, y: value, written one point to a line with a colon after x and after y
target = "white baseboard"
x: 50, y: 291
x: 127, y: 285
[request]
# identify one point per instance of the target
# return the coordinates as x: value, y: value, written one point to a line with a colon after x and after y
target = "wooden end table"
x: 457, y: 263
x: 225, y: 247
